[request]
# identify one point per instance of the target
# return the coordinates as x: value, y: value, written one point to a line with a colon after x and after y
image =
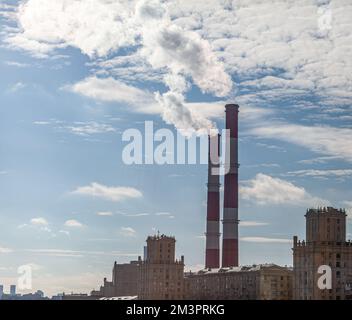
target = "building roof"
x: 252, y: 268
x: 121, y: 298
x: 329, y: 210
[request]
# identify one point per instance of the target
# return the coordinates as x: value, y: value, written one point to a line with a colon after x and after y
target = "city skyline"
x: 69, y: 206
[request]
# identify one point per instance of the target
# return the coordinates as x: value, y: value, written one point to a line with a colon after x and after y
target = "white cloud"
x: 264, y: 189
x: 16, y: 64
x: 348, y: 205
x: 96, y: 27
x: 69, y: 252
x: 73, y: 224
x: 258, y: 39
x: 41, y: 123
x: 338, y: 173
x: 105, y: 213
x: 108, y: 193
x: 194, y: 59
x: 23, y: 225
x: 319, y: 160
x: 140, y: 101
x: 165, y: 214
x: 325, y: 140
x: 143, y: 214
x: 34, y: 266
x: 134, y: 215
x: 78, y: 253
x: 80, y: 128
x: 265, y: 240
x: 17, y: 87
x: 88, y: 128
x: 216, y: 110
x: 253, y: 223
x: 5, y: 250
x: 67, y: 233
x: 128, y: 232
x: 282, y: 46
x: 39, y: 221
x: 112, y: 90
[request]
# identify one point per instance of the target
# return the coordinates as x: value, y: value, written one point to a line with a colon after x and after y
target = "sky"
x: 75, y: 75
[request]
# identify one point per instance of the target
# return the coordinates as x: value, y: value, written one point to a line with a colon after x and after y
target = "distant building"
x: 75, y: 296
x: 125, y: 278
x: 12, y: 290
x: 161, y: 276
x: 38, y: 295
x: 125, y: 281
x: 57, y: 297
x: 1, y: 291
x: 325, y: 245
x: 258, y: 282
x: 158, y: 276
x: 108, y: 289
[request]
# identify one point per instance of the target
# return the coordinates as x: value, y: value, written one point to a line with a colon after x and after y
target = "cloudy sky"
x: 75, y: 74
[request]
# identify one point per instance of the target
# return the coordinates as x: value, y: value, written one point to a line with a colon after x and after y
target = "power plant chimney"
x: 212, y: 254
x: 230, y: 214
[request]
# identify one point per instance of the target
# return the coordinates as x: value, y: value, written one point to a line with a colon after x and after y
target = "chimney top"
x: 232, y: 107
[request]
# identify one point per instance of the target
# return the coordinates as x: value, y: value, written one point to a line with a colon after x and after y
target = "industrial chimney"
x: 212, y: 254
x: 230, y: 214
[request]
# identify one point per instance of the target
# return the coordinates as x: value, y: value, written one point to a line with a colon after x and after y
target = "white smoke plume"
x: 176, y: 113
x: 185, y: 56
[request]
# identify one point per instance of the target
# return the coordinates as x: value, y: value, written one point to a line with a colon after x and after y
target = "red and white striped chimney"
x: 212, y: 254
x: 230, y: 214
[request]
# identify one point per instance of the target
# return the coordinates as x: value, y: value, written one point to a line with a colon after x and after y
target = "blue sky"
x: 75, y: 75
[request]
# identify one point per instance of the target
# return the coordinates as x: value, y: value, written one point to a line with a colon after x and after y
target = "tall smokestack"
x: 230, y: 215
x: 212, y: 254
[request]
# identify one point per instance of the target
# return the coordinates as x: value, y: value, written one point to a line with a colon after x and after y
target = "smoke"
x: 186, y: 57
x: 176, y: 113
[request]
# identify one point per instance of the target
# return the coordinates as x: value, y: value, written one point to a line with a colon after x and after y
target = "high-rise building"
x: 1, y: 291
x: 161, y: 276
x: 325, y: 247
